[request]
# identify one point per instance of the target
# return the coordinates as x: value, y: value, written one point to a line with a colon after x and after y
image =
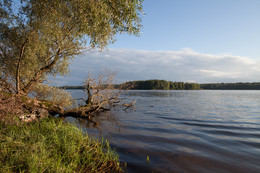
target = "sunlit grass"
x: 53, y: 146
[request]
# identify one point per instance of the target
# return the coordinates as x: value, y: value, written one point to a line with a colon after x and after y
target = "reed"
x: 53, y: 146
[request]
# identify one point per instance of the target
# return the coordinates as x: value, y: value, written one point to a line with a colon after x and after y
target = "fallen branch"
x: 129, y: 104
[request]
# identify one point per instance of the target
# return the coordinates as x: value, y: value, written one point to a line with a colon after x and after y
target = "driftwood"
x: 101, y: 96
x: 128, y: 105
x: 29, y: 109
x: 86, y: 111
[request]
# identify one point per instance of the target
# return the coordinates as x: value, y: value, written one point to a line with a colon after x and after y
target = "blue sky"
x: 207, y: 26
x: 184, y: 40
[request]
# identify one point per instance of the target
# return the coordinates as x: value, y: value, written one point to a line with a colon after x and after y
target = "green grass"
x: 53, y: 146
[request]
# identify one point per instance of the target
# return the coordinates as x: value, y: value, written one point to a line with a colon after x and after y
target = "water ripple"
x: 186, y: 131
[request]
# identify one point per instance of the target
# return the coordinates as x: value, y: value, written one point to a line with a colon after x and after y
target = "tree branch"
x: 38, y: 74
x: 17, y: 76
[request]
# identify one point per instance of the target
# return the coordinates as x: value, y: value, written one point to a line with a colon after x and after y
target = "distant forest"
x: 163, y: 85
x: 231, y: 86
x: 169, y: 85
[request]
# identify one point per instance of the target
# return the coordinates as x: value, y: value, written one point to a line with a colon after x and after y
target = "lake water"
x: 184, y: 131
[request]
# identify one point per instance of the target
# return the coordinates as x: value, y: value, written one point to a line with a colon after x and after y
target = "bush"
x: 53, y: 94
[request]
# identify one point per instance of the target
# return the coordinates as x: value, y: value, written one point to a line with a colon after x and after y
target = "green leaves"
x: 96, y: 21
x: 56, y: 31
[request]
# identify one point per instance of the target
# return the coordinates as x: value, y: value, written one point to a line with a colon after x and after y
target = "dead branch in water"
x: 101, y: 96
x: 128, y: 105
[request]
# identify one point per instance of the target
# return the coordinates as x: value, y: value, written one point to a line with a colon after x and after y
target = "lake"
x: 183, y: 131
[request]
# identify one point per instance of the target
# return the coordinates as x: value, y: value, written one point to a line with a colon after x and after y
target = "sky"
x: 183, y: 40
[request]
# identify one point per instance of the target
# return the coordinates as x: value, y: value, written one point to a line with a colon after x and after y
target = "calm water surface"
x: 184, y: 131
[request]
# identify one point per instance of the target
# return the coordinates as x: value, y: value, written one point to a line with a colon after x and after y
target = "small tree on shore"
x: 101, y: 93
x: 100, y: 90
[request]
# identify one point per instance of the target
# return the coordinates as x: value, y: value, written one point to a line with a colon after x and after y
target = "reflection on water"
x: 184, y: 131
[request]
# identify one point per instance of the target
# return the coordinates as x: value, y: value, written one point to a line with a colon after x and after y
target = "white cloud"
x: 184, y: 65
x: 219, y: 74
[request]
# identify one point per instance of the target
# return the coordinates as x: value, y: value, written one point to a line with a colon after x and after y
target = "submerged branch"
x: 128, y: 105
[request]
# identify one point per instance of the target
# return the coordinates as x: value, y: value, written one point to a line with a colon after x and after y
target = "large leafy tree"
x: 40, y: 37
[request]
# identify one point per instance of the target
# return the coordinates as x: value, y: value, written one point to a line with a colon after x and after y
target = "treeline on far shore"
x: 162, y: 85
x: 231, y: 86
x: 169, y: 85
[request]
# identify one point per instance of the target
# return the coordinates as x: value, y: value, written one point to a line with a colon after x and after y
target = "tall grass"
x: 53, y: 146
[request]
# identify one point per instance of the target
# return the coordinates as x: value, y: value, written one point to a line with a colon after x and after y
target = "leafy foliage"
x: 40, y: 37
x: 55, y: 95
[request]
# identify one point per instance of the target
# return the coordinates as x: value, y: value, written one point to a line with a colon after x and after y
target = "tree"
x: 101, y: 94
x: 40, y: 37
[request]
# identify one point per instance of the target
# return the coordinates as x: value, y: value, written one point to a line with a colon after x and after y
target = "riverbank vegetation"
x: 51, y: 145
x: 40, y: 38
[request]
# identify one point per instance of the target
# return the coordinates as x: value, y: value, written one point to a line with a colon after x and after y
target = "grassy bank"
x: 53, y: 146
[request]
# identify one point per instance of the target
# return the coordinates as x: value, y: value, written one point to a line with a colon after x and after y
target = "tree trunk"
x: 17, y: 77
